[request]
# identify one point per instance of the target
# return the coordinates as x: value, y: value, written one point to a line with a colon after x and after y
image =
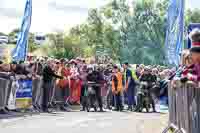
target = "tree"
x: 57, y: 45
x: 31, y: 44
x: 135, y: 33
x: 2, y: 34
x: 147, y: 32
x: 141, y: 28
x: 96, y: 24
x: 192, y: 16
x: 14, y: 32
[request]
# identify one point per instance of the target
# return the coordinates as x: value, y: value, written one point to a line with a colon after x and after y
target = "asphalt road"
x: 83, y: 122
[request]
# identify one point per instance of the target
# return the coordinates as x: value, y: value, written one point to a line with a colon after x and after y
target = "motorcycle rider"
x: 148, y: 79
x: 96, y: 77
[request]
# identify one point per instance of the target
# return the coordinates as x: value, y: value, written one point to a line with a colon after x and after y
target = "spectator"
x: 117, y: 88
x: 48, y: 75
x: 63, y: 84
x: 195, y: 56
x: 130, y: 86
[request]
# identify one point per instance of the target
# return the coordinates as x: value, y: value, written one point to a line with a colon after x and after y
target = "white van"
x: 40, y: 39
x: 4, y: 39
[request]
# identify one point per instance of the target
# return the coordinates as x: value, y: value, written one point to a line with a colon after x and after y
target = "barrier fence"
x: 4, y: 92
x: 20, y: 93
x: 184, y: 107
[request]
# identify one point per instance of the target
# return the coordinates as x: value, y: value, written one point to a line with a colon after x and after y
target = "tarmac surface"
x: 84, y: 122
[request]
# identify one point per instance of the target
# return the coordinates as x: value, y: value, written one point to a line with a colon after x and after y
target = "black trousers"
x: 98, y: 95
x: 140, y: 104
x: 83, y: 98
x: 47, y: 87
x: 118, y: 101
x: 152, y: 102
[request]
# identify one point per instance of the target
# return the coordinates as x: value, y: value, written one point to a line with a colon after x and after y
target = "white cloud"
x: 192, y: 4
x: 48, y: 15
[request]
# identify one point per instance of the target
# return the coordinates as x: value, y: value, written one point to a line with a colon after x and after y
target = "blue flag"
x: 175, y: 31
x: 20, y: 52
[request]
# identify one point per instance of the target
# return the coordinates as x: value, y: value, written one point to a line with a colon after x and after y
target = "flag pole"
x: 21, y: 49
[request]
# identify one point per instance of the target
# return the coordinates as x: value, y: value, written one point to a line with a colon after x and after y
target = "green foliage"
x: 14, y: 32
x: 142, y: 30
x: 192, y: 16
x: 2, y: 34
x: 118, y: 30
x: 32, y: 46
x: 61, y: 46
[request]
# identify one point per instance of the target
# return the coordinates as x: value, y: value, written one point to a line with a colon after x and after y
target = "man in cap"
x: 129, y: 86
x: 48, y: 75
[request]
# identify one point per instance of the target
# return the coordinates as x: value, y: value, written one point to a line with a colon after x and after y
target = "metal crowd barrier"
x: 184, y: 108
x: 7, y: 89
x: 37, y: 91
x: 4, y: 92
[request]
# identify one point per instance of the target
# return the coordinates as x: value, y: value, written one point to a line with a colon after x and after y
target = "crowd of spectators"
x: 70, y: 79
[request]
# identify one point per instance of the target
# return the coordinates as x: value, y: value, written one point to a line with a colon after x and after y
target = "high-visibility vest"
x: 119, y: 83
x: 134, y: 74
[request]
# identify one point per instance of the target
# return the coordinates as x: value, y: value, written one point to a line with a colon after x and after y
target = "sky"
x: 48, y: 15
x: 53, y: 15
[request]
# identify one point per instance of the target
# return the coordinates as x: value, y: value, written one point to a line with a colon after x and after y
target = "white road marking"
x: 11, y: 120
x: 104, y: 124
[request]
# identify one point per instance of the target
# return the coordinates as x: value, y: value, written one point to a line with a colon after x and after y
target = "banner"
x: 20, y: 52
x: 24, y: 94
x: 175, y: 30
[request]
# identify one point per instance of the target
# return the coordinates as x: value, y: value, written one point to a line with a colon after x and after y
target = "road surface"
x: 83, y: 122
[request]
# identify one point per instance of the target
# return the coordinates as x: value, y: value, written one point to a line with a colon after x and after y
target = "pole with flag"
x: 175, y: 31
x: 20, y: 52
